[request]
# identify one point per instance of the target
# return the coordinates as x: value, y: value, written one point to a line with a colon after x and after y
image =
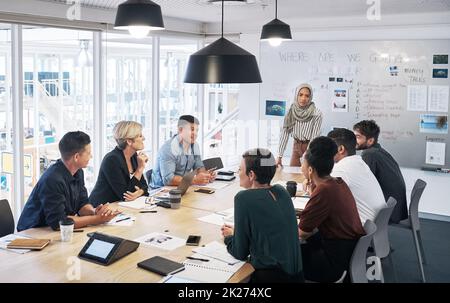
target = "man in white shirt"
x: 354, y: 171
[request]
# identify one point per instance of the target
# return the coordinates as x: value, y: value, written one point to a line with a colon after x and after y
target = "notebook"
x: 213, y: 271
x: 161, y: 265
x: 34, y: 244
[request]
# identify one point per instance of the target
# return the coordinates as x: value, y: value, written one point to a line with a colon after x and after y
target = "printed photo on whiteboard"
x: 393, y: 70
x: 440, y: 73
x: 434, y: 124
x: 339, y: 100
x: 275, y: 108
x: 435, y: 153
x: 440, y: 59
x: 331, y: 79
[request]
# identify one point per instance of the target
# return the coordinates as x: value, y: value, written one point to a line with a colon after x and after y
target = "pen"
x: 120, y: 220
x: 78, y: 230
x: 198, y: 259
x: 148, y: 211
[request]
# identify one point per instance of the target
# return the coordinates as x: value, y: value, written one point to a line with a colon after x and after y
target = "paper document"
x: 211, y: 271
x: 140, y: 203
x: 162, y: 241
x: 220, y: 217
x: 217, y: 251
x: 122, y: 220
x: 417, y: 98
x: 4, y: 241
x: 438, y: 98
x: 435, y: 153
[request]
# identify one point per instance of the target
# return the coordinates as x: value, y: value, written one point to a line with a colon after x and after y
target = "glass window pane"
x: 128, y: 85
x: 221, y: 112
x: 6, y: 123
x: 176, y: 97
x: 58, y: 95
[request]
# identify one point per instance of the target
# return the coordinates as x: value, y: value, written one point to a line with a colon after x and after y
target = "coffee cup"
x: 175, y: 198
x: 66, y: 226
x: 291, y: 187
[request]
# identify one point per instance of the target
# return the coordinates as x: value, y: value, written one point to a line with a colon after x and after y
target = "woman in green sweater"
x: 265, y: 223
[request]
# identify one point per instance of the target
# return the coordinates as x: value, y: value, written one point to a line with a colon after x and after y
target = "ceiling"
x: 263, y: 10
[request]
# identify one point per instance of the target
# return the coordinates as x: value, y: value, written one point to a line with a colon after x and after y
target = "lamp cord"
x: 222, y: 18
x: 276, y: 9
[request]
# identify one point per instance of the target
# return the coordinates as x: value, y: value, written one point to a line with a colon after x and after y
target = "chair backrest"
x: 148, y: 176
x: 416, y: 193
x: 6, y: 219
x: 213, y: 163
x: 381, y: 237
x: 359, y: 256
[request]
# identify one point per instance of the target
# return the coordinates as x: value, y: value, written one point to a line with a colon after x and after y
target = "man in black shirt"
x: 60, y: 192
x: 383, y: 166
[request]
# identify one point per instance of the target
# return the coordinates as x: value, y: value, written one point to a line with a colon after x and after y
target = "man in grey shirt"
x: 180, y: 155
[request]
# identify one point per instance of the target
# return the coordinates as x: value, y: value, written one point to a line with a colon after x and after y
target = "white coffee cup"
x: 66, y: 226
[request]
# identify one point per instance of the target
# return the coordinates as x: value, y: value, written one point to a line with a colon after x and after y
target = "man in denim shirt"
x: 180, y: 155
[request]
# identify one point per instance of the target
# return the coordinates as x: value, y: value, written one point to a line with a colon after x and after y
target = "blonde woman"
x: 121, y: 176
x: 303, y: 121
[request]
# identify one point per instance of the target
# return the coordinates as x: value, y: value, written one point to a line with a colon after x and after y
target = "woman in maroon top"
x: 331, y: 211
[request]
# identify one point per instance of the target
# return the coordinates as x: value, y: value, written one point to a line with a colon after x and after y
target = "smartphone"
x: 193, y: 240
x: 204, y: 191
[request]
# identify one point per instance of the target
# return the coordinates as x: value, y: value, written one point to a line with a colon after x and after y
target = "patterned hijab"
x: 297, y: 112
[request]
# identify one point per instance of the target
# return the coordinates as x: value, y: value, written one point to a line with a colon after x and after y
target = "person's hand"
x: 279, y: 162
x: 227, y: 230
x: 107, y: 217
x: 130, y: 196
x: 212, y: 174
x: 202, y: 178
x: 104, y: 210
x: 142, y: 160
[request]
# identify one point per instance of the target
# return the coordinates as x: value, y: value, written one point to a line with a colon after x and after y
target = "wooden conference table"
x: 58, y: 262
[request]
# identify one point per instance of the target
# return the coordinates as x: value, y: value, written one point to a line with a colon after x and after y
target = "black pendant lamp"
x: 222, y: 62
x: 276, y: 30
x: 139, y: 17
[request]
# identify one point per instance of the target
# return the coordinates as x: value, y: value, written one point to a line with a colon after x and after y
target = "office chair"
x: 6, y: 219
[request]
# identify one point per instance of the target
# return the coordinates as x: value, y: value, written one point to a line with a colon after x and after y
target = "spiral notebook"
x: 213, y: 271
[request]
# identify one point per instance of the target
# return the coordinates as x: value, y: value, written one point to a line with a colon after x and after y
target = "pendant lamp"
x: 222, y: 62
x: 139, y: 17
x: 276, y: 30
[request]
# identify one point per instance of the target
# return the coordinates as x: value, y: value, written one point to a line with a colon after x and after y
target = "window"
x: 6, y: 123
x: 176, y: 97
x: 58, y: 95
x: 128, y: 85
x: 221, y: 112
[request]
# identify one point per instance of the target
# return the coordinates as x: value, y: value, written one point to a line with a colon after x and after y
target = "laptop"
x: 186, y: 181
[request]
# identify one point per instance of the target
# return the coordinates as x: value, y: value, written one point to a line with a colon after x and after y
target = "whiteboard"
x: 376, y: 76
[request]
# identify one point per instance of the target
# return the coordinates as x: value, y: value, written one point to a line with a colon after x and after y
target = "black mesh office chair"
x: 6, y: 219
x: 148, y: 176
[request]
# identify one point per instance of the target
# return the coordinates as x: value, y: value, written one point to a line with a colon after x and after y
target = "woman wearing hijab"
x: 303, y: 121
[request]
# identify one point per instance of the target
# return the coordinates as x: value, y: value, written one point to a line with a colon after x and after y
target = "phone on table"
x: 193, y: 240
x: 204, y: 191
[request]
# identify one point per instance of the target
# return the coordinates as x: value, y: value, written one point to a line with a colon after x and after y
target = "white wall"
x: 436, y: 197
